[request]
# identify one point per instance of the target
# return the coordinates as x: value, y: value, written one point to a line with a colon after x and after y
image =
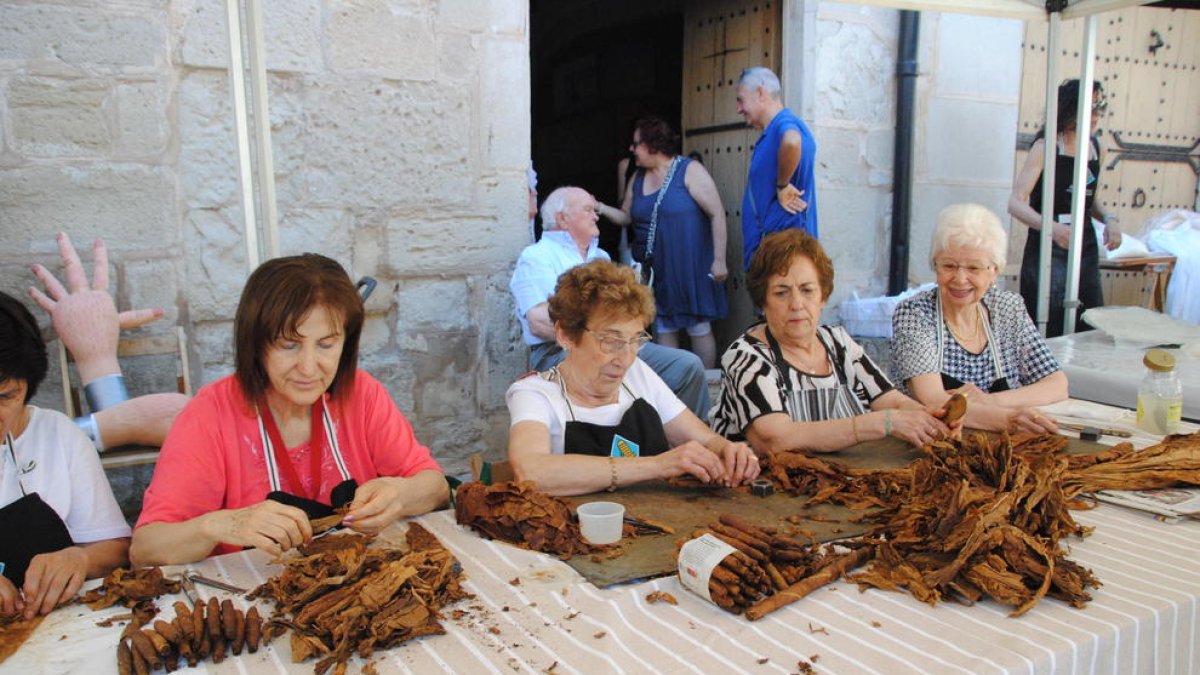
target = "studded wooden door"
x: 1148, y: 61
x: 720, y: 39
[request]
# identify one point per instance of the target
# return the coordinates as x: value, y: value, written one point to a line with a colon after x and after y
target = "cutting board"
x: 689, y: 509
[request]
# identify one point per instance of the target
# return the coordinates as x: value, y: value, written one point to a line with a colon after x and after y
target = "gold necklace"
x: 974, y: 333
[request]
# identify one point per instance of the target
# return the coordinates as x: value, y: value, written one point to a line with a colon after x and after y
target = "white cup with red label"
x: 601, y: 523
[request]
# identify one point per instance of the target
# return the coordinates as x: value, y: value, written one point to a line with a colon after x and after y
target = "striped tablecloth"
x: 1143, y: 620
x: 534, y: 614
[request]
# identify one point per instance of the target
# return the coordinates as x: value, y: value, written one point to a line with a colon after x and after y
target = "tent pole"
x: 1081, y: 222
x: 1049, y: 158
x: 262, y: 127
x: 237, y: 83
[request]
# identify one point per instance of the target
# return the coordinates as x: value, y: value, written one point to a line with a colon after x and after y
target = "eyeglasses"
x: 611, y: 344
x: 636, y: 142
x: 952, y: 268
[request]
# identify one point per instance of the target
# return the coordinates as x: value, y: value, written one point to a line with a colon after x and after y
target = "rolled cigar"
x: 752, y: 530
x: 228, y: 619
x: 124, y: 658
x: 239, y: 632
x: 140, y: 666
x: 735, y: 533
x: 253, y: 629
x: 758, y: 556
x: 777, y: 580
x: 145, y: 649
x: 212, y: 619
x: 198, y: 629
x: 796, y: 591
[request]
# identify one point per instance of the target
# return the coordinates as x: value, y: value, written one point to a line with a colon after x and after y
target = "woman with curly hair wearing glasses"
x: 602, y: 419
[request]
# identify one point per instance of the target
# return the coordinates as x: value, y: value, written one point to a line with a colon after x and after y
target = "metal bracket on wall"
x: 1147, y: 152
x: 1156, y: 42
x: 1055, y: 5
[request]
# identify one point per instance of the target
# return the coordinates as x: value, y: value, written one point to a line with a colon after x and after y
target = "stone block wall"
x: 400, y: 132
x: 968, y: 94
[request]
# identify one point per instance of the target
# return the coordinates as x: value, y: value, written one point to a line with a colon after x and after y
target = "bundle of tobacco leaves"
x: 203, y: 631
x: 519, y: 514
x: 1174, y: 461
x: 340, y: 597
x: 135, y: 589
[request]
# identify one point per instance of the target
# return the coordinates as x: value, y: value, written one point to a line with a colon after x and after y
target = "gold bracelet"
x: 612, y: 465
x: 854, y: 425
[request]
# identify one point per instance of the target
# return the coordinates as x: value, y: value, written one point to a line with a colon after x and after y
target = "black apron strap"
x: 28, y: 526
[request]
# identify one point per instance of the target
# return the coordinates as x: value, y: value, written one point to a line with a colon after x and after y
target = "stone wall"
x: 968, y: 92
x: 400, y: 134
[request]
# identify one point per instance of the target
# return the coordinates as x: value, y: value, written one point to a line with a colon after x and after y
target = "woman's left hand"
x: 956, y: 426
x: 741, y: 464
x: 1112, y: 235
x: 719, y: 271
x: 377, y: 504
x: 53, y: 578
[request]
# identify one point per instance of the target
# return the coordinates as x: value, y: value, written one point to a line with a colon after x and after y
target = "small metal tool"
x: 194, y: 576
x: 1120, y: 433
x: 762, y: 488
x: 641, y: 523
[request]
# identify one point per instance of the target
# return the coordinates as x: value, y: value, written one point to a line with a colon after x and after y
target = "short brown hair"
x: 776, y: 254
x: 657, y: 135
x: 277, y: 297
x: 598, y: 288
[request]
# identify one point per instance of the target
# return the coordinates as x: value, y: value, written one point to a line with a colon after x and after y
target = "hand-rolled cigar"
x: 212, y: 619
x: 752, y: 530
x: 168, y: 632
x: 162, y: 647
x: 218, y: 650
x: 124, y: 658
x: 748, y: 539
x: 199, y: 629
x: 140, y: 642
x: 239, y: 632
x: 777, y: 580
x: 253, y: 629
x: 758, y: 556
x: 140, y: 666
x: 827, y: 574
x: 228, y: 619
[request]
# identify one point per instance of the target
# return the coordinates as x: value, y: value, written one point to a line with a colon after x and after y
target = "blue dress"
x: 761, y: 212
x: 683, y: 253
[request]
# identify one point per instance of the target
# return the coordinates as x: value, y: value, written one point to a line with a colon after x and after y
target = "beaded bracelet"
x: 612, y: 465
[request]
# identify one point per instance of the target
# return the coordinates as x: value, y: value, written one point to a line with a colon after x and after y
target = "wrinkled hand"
x: 10, y: 598
x: 917, y: 427
x: 954, y: 428
x: 377, y: 504
x: 1033, y: 421
x: 694, y: 459
x: 741, y: 464
x: 53, y: 578
x: 83, y: 314
x: 1112, y: 236
x: 719, y: 271
x: 267, y: 526
x: 791, y: 199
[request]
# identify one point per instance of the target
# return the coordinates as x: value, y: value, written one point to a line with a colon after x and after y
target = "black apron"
x: 639, y: 433
x: 278, y: 461
x: 1090, y: 292
x: 28, y: 526
x: 950, y: 382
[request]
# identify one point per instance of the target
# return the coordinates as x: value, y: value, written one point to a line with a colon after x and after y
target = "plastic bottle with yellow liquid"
x: 1160, y: 395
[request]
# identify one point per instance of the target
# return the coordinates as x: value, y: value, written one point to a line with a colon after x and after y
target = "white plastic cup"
x: 601, y: 523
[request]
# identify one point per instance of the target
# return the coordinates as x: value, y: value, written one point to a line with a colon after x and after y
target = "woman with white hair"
x: 968, y: 336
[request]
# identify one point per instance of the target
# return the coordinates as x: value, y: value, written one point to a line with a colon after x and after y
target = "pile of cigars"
x: 985, y: 516
x: 203, y: 631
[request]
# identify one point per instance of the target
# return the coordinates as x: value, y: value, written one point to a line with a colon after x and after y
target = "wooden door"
x: 1148, y: 60
x: 720, y: 39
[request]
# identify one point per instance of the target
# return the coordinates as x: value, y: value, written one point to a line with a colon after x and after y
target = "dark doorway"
x: 596, y: 65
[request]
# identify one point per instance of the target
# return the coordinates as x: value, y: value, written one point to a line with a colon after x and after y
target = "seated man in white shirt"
x: 570, y: 239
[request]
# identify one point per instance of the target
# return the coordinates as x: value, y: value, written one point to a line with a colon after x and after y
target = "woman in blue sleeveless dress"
x: 684, y: 243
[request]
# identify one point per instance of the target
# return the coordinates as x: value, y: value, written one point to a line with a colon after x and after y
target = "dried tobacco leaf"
x: 344, y: 597
x: 519, y: 514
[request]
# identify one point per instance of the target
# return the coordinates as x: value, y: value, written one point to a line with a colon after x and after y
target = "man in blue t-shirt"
x: 780, y: 189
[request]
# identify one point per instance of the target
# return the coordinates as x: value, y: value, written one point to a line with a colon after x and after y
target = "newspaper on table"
x: 1170, y: 504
